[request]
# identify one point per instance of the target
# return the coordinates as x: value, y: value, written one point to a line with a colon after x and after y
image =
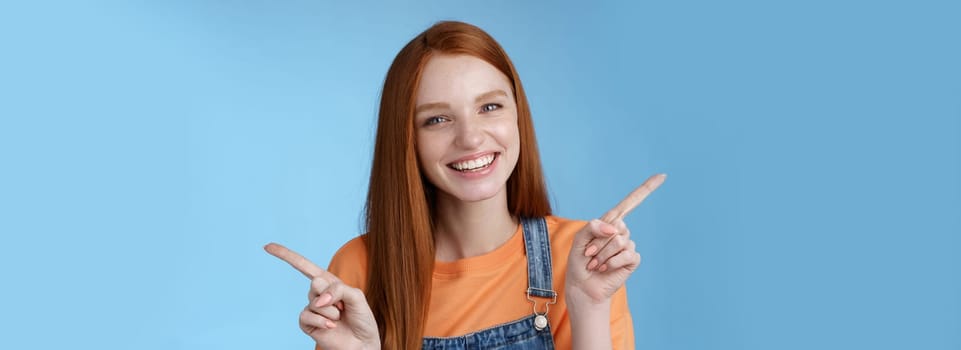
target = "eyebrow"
x: 441, y: 105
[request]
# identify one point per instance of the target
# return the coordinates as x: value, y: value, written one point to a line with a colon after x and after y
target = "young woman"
x: 461, y: 249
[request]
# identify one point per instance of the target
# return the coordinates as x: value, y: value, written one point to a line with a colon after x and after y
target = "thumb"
x: 595, y: 230
x: 349, y: 298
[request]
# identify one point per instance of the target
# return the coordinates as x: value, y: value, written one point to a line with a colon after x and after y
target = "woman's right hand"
x: 337, y: 315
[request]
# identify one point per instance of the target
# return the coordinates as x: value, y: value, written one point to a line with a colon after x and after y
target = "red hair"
x: 399, y: 235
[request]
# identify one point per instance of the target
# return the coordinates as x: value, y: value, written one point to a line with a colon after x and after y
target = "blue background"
x: 150, y: 149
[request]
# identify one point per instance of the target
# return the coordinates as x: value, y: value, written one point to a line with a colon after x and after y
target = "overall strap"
x: 539, y: 281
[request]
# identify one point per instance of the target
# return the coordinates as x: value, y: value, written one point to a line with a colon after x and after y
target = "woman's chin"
x: 476, y: 194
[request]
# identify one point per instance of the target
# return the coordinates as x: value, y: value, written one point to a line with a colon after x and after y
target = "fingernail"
x: 592, y: 264
x: 590, y: 251
x: 323, y: 299
x: 330, y: 325
x: 603, y: 268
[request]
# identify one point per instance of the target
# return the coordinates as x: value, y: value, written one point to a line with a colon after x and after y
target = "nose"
x: 469, y: 133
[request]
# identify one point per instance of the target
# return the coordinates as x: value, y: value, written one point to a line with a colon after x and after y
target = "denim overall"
x: 531, y: 332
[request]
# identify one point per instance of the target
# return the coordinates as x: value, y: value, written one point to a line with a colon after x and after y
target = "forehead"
x: 455, y: 78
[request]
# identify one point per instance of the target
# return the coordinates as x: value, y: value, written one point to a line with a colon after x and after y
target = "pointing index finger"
x: 634, y: 199
x: 299, y: 262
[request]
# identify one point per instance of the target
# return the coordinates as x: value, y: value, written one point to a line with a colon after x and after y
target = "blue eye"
x: 490, y: 107
x: 433, y: 120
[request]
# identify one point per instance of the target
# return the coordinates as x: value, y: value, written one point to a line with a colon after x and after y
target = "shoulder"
x: 350, y: 263
x: 561, y: 231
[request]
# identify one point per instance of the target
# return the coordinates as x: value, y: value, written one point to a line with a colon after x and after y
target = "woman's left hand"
x: 603, y: 255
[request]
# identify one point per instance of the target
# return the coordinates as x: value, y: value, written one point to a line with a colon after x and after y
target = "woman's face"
x: 466, y: 127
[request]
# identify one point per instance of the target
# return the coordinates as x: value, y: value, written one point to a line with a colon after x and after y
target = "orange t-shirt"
x: 484, y: 291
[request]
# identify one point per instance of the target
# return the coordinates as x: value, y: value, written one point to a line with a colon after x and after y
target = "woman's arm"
x: 590, y: 323
x: 601, y: 259
x: 592, y: 280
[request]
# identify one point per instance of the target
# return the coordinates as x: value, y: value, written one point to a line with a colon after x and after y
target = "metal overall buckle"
x: 540, y: 319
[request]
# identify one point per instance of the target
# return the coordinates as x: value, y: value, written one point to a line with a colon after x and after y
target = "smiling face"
x: 466, y: 126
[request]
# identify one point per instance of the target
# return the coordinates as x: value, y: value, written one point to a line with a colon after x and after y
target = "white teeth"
x: 474, y: 163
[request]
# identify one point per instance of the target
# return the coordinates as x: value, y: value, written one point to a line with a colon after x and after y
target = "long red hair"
x: 399, y: 235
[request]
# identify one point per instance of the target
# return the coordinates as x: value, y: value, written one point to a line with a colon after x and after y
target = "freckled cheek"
x: 431, y: 148
x: 423, y: 149
x: 508, y: 136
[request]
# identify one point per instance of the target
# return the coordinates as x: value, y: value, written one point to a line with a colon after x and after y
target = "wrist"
x: 590, y: 320
x: 581, y: 304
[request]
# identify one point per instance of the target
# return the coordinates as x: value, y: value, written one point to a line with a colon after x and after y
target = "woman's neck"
x: 467, y: 229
